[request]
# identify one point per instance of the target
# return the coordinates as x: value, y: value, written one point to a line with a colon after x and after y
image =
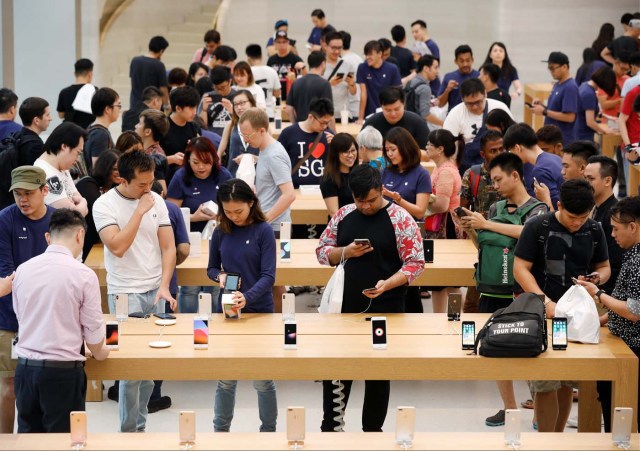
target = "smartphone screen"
x: 379, y: 331
x: 112, y: 334
x: 200, y: 333
x: 290, y: 334
x: 232, y: 282
x: 428, y: 250
x: 468, y: 334
x: 559, y: 332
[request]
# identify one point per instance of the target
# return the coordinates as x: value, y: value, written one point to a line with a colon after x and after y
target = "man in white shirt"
x: 343, y: 82
x: 354, y: 60
x: 265, y: 76
x: 139, y: 255
x: 61, y: 151
x: 468, y: 119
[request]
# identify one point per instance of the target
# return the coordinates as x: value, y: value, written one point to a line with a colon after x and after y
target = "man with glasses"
x: 343, y: 82
x: 215, y: 107
x: 310, y: 86
x: 562, y: 105
x: 468, y: 119
x: 106, y: 107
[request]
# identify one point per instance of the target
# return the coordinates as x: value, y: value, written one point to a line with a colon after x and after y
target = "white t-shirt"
x: 258, y: 95
x: 60, y: 183
x: 267, y: 78
x: 140, y: 268
x: 460, y: 120
x: 341, y: 90
x: 354, y: 99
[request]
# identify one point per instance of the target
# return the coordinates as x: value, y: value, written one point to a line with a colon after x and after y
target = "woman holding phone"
x: 244, y: 244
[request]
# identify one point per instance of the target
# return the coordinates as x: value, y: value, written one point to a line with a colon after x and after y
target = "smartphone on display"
x: 200, y: 333
x: 362, y: 241
x: 285, y: 241
x: 290, y: 335
x: 460, y: 212
x: 405, y: 424
x: 512, y: 426
x: 122, y: 307
x: 164, y: 315
x: 468, y: 334
x: 113, y: 333
x: 454, y: 306
x: 295, y: 424
x: 428, y: 250
x: 204, y: 305
x: 379, y: 332
x: 187, y: 426
x: 288, y: 307
x: 559, y: 333
x: 621, y: 430
x: 78, y: 427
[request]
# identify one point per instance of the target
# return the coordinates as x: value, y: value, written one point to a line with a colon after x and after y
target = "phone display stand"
x: 405, y: 444
x: 296, y: 444
x: 187, y: 445
x: 623, y: 445
x: 513, y: 444
x: 77, y: 446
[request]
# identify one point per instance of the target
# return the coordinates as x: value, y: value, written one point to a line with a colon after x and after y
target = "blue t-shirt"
x: 435, y: 51
x: 454, y: 95
x: 547, y: 170
x: 587, y: 100
x: 504, y: 82
x: 375, y: 80
x: 251, y: 252
x: 8, y: 127
x: 180, y: 235
x: 20, y: 240
x: 563, y: 99
x: 408, y: 184
x: 199, y: 192
x: 297, y: 143
x: 378, y: 163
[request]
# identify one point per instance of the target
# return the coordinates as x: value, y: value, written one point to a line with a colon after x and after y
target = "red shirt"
x: 633, y: 122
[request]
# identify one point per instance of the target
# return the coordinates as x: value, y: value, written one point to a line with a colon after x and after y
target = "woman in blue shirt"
x: 244, y: 243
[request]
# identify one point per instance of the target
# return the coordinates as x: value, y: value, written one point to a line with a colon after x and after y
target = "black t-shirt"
x: 328, y: 188
x: 30, y: 147
x: 565, y: 255
x: 89, y: 189
x: 145, y: 71
x: 500, y: 95
x: 283, y: 65
x: 98, y: 140
x: 304, y: 90
x: 297, y: 143
x: 176, y: 141
x: 621, y: 44
x: 410, y: 121
x: 405, y: 60
x: 602, y: 214
x: 65, y: 102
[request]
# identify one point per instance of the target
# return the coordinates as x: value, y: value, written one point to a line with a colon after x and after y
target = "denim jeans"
x: 133, y: 396
x: 188, y: 298
x: 226, y: 399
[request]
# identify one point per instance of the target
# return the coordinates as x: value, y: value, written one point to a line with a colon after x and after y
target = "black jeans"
x: 604, y: 395
x: 374, y: 409
x: 46, y: 396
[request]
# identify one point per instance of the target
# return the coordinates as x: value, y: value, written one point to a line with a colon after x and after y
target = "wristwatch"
x: 544, y: 112
x: 598, y: 294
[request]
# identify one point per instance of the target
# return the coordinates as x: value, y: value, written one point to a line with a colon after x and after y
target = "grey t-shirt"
x: 423, y: 95
x: 273, y: 169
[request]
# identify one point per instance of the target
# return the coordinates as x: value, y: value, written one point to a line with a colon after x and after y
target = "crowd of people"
x: 205, y: 133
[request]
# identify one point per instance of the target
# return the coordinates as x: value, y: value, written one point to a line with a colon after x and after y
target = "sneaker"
x: 112, y: 393
x: 164, y: 402
x: 495, y: 420
x: 572, y: 422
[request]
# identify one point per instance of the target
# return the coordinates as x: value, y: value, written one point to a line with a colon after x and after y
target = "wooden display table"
x: 540, y: 91
x: 634, y: 180
x: 315, y: 441
x: 608, y: 143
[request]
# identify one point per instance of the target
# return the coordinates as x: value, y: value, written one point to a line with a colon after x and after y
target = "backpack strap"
x: 475, y: 176
x: 204, y: 52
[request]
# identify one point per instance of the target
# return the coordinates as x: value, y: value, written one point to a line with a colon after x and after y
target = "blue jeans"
x: 188, y: 298
x: 133, y: 396
x: 226, y: 399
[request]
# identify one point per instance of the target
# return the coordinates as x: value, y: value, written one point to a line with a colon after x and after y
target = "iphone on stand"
x: 295, y: 424
x: 622, y: 422
x: 405, y: 425
x: 512, y: 426
x: 290, y: 335
x: 288, y: 307
x: 78, y: 428
x: 379, y: 332
x: 112, y: 335
x: 285, y: 241
x: 204, y: 305
x: 454, y: 306
x: 200, y: 333
x: 122, y: 307
x: 187, y: 426
x: 468, y: 335
x: 559, y: 334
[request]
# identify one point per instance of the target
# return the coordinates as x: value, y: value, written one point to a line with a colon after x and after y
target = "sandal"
x: 528, y: 404
x: 425, y: 295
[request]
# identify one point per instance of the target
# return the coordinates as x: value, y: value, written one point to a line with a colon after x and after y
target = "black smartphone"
x: 164, y: 315
x: 559, y: 333
x: 290, y: 335
x: 339, y: 76
x: 468, y: 334
x: 232, y: 282
x: 350, y: 74
x: 361, y: 241
x: 138, y: 315
x: 460, y: 212
x: 454, y: 306
x: 528, y: 105
x: 428, y: 250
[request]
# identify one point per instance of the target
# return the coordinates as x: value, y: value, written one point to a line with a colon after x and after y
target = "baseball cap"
x: 27, y: 177
x: 280, y: 34
x: 220, y: 74
x: 281, y: 23
x: 634, y: 23
x: 557, y: 58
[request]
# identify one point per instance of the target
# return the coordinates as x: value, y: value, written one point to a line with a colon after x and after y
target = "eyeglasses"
x: 249, y: 136
x: 477, y: 103
x: 242, y: 102
x: 116, y: 105
x: 349, y: 150
x: 323, y: 123
x: 332, y: 47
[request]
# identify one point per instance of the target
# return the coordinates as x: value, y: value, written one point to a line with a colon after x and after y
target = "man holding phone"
x: 343, y: 81
x: 378, y: 272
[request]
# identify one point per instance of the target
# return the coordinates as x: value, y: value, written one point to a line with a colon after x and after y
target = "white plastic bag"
x: 578, y: 307
x: 332, y: 296
x: 247, y: 170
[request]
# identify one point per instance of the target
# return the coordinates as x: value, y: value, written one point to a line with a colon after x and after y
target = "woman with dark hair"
x: 341, y: 159
x: 590, y: 64
x: 129, y: 140
x: 194, y: 184
x: 499, y: 121
x: 104, y: 176
x: 196, y: 72
x: 588, y: 108
x: 243, y: 243
x: 231, y: 137
x: 605, y: 36
x: 243, y: 78
x: 498, y: 55
x: 447, y: 182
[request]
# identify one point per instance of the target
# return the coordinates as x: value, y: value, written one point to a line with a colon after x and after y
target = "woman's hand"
x: 393, y: 195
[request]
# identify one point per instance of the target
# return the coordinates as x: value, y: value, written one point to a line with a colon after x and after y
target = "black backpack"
x: 410, y: 98
x: 9, y: 160
x: 518, y: 330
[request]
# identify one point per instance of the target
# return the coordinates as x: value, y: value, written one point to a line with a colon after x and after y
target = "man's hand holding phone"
x: 357, y: 248
x: 376, y: 291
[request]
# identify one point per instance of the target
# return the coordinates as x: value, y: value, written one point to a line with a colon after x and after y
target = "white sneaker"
x: 572, y: 422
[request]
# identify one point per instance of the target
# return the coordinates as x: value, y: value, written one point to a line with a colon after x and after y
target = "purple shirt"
x: 547, y: 170
x: 57, y: 302
x: 408, y: 184
x: 375, y: 80
x: 199, y: 192
x: 20, y: 239
x: 563, y: 99
x: 504, y: 82
x: 8, y: 127
x: 454, y: 95
x: 587, y: 100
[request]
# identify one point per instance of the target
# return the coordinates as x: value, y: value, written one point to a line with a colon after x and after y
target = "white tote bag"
x: 332, y: 297
x: 578, y: 307
x: 247, y: 170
